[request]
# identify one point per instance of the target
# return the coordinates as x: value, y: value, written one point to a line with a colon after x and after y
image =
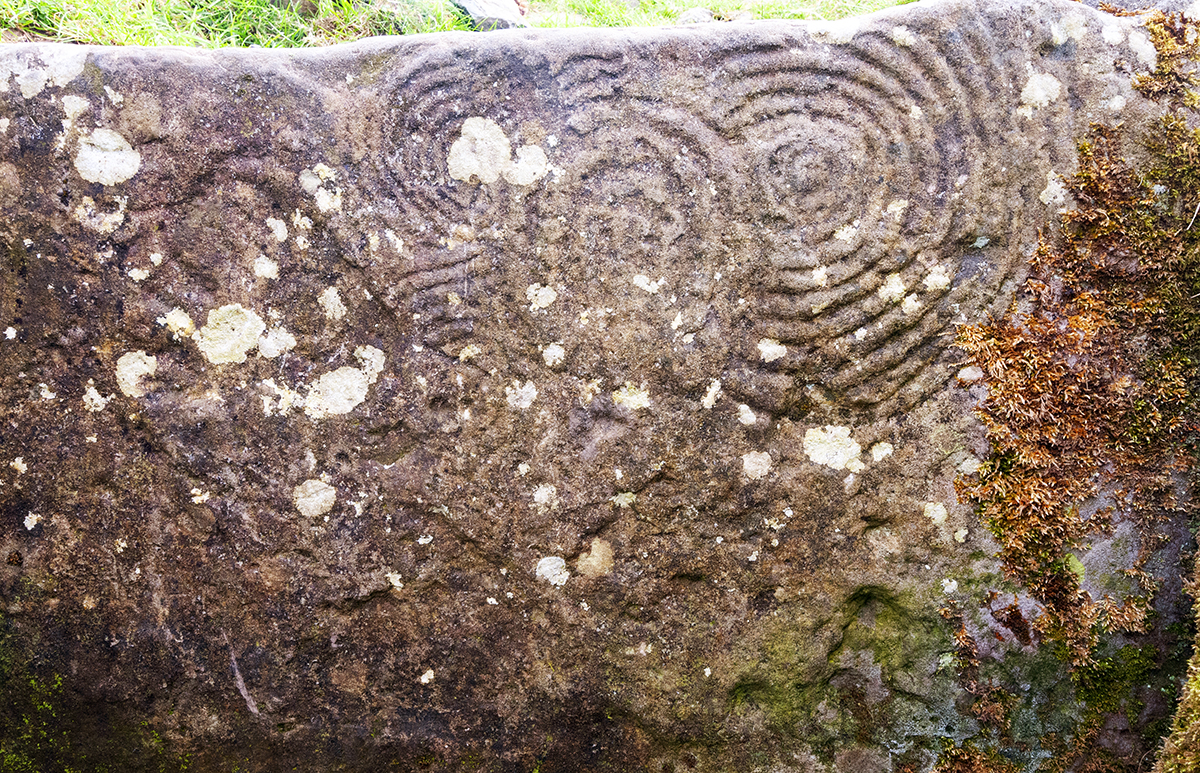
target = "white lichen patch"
x: 632, y: 397
x: 936, y: 512
x: 553, y: 570
x: 331, y: 302
x: 200, y: 496
x: 92, y: 399
x: 897, y: 207
x: 938, y: 278
x: 1144, y: 49
x: 105, y: 157
x: 31, y: 521
x: 156, y: 258
x: 949, y: 586
x: 540, y: 296
x: 553, y: 354
x: 10, y: 333
x: 314, y: 497
x: 713, y: 393
x: 341, y: 391
x: 114, y: 96
x: 138, y: 274
x: 820, y: 276
x: 770, y: 349
x: 756, y: 464
x: 893, y: 288
x: 229, y: 333
x: 74, y: 106
x: 745, y: 415
x: 1040, y: 90
x: 624, y: 499
x: 281, y: 401
x: 426, y: 677
x: 469, y: 351
x: 881, y: 451
x: 846, y: 232
x: 911, y: 304
x: 265, y: 268
x: 87, y: 213
x: 425, y: 539
x: 645, y: 283
x: 1072, y: 26
x: 520, y: 396
x: 1055, y: 192
x: 327, y: 200
x: 833, y: 447
x: 46, y: 393
x: 1113, y: 34
x: 19, y: 465
x: 393, y: 579
x: 960, y: 535
x: 3, y: 125
x: 131, y: 368
x: 530, y: 166
x: 178, y: 322
x: 597, y: 561
x: 545, y: 497
x: 483, y: 152
x: 278, y: 229
x: 970, y: 374
x: 276, y: 342
x: 902, y: 36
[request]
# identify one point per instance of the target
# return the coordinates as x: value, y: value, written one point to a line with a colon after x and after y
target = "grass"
x: 290, y: 23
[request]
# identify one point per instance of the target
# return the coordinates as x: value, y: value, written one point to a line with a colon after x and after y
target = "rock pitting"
x: 558, y: 401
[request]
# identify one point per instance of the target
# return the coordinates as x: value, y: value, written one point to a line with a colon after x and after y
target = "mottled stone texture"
x: 312, y: 362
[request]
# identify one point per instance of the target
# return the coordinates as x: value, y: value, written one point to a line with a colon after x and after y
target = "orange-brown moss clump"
x: 1093, y: 381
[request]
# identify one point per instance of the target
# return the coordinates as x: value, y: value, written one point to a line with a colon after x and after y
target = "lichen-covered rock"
x: 545, y: 400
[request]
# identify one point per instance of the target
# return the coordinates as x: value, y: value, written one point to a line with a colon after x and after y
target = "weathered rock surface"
x: 558, y: 401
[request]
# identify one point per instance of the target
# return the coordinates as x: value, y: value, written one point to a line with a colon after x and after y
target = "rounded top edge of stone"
x: 840, y: 30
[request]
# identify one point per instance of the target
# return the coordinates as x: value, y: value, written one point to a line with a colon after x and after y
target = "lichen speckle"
x: 553, y: 570
x: 756, y: 464
x: 833, y: 447
x: 770, y: 349
x: 230, y: 332
x: 553, y: 354
x: 746, y: 415
x: 624, y: 500
x: 893, y: 288
x: 178, y: 322
x: 540, y: 296
x: 632, y: 397
x: 520, y: 396
x: 131, y: 367
x: 105, y: 157
x: 342, y: 390
x: 936, y: 512
x: 484, y: 153
x: 275, y: 343
x: 264, y: 267
x: 93, y: 401
x: 881, y: 451
x: 903, y: 36
x: 331, y: 302
x: 647, y: 284
x: 314, y: 497
x: 713, y: 393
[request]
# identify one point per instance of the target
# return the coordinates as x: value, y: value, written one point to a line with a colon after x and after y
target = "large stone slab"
x: 539, y: 400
